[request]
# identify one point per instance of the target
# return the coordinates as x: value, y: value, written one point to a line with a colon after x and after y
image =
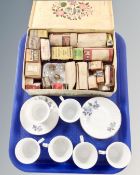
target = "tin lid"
x: 70, y: 15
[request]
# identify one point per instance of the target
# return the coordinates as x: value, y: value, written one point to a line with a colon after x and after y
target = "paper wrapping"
x: 92, y: 82
x: 100, y: 76
x: 67, y: 39
x: 33, y: 43
x: 32, y: 55
x: 33, y: 70
x: 70, y: 74
x: 82, y: 75
x: 61, y: 53
x: 100, y: 54
x: 109, y: 75
x: 41, y: 33
x: 78, y: 54
x: 92, y: 40
x: 95, y: 65
x: 45, y: 49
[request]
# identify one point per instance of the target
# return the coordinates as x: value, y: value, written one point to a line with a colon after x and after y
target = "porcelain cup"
x: 85, y: 154
x: 38, y: 111
x: 27, y: 150
x: 69, y: 110
x: 117, y: 154
x: 60, y: 149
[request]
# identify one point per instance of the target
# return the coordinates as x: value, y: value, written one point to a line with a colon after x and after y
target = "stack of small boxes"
x: 69, y: 61
x: 34, y: 58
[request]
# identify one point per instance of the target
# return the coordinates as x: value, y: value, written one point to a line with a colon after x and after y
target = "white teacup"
x: 28, y: 150
x: 69, y: 110
x: 38, y: 111
x: 60, y: 148
x: 85, y: 154
x: 117, y: 154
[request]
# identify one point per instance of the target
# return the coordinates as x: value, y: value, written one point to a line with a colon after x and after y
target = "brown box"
x: 29, y: 81
x: 92, y: 40
x: 64, y: 39
x: 33, y: 42
x: 32, y: 55
x: 100, y: 54
x: 92, y: 82
x: 39, y: 33
x: 98, y: 19
x: 33, y: 70
x: 95, y: 65
x: 100, y: 77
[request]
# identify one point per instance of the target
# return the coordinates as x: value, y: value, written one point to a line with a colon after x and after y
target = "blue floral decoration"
x: 111, y: 127
x: 37, y: 128
x: 88, y: 110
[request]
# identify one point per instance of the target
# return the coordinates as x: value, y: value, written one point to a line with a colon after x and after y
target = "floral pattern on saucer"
x: 88, y: 110
x: 45, y: 99
x: 111, y: 127
x: 72, y: 9
x: 100, y: 118
x: 37, y: 128
x: 46, y: 126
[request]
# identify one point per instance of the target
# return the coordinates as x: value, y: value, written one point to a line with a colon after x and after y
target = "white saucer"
x: 46, y: 126
x: 101, y: 118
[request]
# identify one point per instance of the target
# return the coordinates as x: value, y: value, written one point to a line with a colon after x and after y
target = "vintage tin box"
x: 95, y: 17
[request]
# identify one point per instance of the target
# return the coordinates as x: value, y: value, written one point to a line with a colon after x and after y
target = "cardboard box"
x: 97, y: 19
x: 33, y: 70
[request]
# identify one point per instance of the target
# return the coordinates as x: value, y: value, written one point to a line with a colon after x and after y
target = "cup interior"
x: 39, y: 111
x: 85, y: 155
x: 70, y: 110
x: 118, y: 155
x: 27, y: 151
x: 60, y: 149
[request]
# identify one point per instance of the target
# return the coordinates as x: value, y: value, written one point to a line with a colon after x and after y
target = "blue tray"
x: 73, y: 131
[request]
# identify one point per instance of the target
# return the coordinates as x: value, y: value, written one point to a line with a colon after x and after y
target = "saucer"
x: 100, y: 118
x: 46, y: 126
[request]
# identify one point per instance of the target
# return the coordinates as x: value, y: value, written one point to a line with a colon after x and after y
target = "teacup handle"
x: 61, y: 98
x: 102, y: 152
x: 41, y: 140
x: 81, y: 138
x: 45, y: 145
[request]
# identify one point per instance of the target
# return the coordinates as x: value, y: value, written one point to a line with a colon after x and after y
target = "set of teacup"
x: 84, y: 154
x: 99, y: 117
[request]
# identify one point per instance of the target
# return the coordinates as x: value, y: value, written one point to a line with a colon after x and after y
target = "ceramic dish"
x: 100, y: 118
x: 40, y: 128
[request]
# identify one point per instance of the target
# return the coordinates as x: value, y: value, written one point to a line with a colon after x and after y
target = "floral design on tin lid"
x: 72, y: 9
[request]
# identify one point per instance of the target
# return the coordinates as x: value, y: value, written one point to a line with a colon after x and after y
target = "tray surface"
x: 72, y: 131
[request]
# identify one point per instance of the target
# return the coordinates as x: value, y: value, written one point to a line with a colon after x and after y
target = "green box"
x: 78, y: 54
